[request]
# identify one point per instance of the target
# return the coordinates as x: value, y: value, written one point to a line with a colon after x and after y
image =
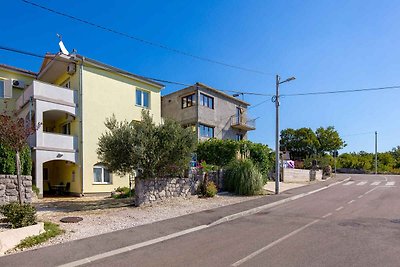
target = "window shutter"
x: 8, y: 89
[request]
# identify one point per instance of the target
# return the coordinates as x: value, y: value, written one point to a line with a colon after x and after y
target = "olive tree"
x: 154, y: 150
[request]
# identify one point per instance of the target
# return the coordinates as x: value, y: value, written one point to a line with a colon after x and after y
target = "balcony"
x: 241, y: 122
x: 56, y: 142
x: 49, y: 93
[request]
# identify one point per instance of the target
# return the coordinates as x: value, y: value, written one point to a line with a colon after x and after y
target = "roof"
x: 102, y: 66
x: 202, y: 85
x: 27, y: 72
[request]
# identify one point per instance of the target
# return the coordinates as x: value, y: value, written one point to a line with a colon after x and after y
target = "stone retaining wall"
x: 148, y: 191
x: 9, y: 188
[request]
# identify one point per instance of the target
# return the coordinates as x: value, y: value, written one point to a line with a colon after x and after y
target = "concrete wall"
x: 299, y: 175
x: 219, y: 117
x: 9, y: 188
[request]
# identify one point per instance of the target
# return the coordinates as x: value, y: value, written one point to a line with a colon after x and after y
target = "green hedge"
x: 7, y: 161
x: 222, y: 152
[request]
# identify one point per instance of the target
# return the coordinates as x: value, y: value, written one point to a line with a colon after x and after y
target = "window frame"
x: 208, y: 128
x: 185, y: 101
x: 205, y: 100
x: 102, y: 168
x: 2, y: 94
x: 142, y: 98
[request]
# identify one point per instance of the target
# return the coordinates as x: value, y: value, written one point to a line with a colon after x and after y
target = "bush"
x: 51, y: 230
x: 7, y: 161
x: 35, y: 190
x: 211, y: 189
x: 243, y: 178
x: 19, y: 215
x: 222, y: 152
x: 122, y: 192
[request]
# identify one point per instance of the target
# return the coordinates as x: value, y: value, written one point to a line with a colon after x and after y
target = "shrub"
x: 51, y: 230
x: 7, y: 161
x: 222, y: 152
x: 211, y: 189
x: 122, y: 192
x: 243, y: 178
x: 35, y: 190
x: 19, y: 215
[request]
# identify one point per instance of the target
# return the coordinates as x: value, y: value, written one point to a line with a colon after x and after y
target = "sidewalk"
x: 79, y: 249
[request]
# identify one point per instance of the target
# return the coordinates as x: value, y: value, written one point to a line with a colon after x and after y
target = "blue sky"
x: 327, y: 45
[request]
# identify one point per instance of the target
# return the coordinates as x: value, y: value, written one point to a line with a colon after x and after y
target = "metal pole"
x: 277, y: 165
x: 376, y: 152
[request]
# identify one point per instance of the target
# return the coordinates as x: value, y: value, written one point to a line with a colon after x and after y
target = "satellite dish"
x: 62, y: 46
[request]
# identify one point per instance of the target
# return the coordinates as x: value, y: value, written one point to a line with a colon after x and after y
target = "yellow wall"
x: 9, y: 74
x: 104, y: 94
x: 62, y: 171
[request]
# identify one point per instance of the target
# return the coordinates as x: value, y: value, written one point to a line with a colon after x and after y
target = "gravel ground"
x: 100, y: 221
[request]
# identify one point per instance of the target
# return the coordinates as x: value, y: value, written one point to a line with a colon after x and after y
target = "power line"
x: 144, y: 41
x: 345, y: 91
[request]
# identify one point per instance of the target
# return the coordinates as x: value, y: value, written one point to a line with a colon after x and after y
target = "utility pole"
x: 277, y: 165
x: 376, y: 152
x: 277, y: 152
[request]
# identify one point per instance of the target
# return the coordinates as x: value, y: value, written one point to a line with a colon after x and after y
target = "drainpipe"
x: 80, y: 107
x: 197, y: 112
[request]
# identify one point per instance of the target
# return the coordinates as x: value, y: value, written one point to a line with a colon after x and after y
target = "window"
x: 101, y: 175
x: 239, y: 137
x: 207, y: 101
x: 1, y: 89
x: 206, y: 131
x: 66, y: 128
x: 188, y: 101
x: 5, y: 88
x: 142, y: 98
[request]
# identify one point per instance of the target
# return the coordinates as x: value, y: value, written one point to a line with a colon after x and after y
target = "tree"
x: 14, y: 134
x: 301, y: 143
x: 329, y: 140
x: 157, y: 151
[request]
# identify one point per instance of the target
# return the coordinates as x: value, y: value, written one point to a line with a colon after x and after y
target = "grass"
x: 51, y: 230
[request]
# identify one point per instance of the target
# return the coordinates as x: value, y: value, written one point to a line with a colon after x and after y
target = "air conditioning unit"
x: 71, y: 68
x: 18, y: 84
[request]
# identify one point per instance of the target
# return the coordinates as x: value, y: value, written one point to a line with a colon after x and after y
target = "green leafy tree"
x: 329, y: 140
x: 155, y: 150
x: 301, y: 143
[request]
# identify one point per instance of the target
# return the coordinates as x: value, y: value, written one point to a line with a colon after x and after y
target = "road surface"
x: 353, y: 222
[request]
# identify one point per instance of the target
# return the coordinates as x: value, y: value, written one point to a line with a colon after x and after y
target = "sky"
x: 326, y: 45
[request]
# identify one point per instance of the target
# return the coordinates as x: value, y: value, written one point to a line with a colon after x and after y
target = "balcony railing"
x: 56, y: 141
x: 241, y: 122
x: 47, y: 92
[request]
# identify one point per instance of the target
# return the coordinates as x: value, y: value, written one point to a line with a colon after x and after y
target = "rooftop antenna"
x: 62, y: 46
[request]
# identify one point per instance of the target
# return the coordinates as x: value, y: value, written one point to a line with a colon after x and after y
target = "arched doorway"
x: 60, y: 178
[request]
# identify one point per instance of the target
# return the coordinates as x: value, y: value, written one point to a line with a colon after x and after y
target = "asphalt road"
x: 352, y: 223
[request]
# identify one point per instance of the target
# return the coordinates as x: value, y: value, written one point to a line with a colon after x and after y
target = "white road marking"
x: 198, y: 228
x: 252, y: 255
x: 349, y: 183
x: 360, y: 196
x: 390, y: 183
x: 362, y: 183
x: 327, y: 215
x: 132, y: 247
x: 376, y: 183
x: 351, y: 201
x: 339, y: 208
x: 369, y: 191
